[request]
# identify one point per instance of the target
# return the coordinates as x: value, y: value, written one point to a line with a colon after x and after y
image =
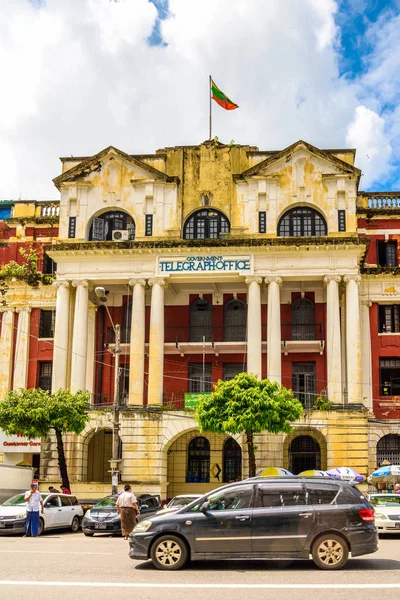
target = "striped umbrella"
x: 313, y: 473
x: 345, y: 473
x: 387, y: 474
x: 273, y: 472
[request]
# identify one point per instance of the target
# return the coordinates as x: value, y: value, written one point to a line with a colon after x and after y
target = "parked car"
x: 177, y: 502
x: 262, y: 518
x: 387, y: 512
x: 60, y: 511
x: 103, y: 516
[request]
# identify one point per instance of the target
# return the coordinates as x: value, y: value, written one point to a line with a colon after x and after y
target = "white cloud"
x: 80, y: 75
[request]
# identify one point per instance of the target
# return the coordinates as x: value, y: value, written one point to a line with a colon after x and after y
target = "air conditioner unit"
x: 120, y: 235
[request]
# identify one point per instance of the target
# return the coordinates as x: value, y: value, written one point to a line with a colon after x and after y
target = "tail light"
x: 367, y: 514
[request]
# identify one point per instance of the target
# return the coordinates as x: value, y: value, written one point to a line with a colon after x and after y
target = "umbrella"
x: 345, y: 473
x: 313, y: 473
x: 387, y: 474
x: 273, y: 472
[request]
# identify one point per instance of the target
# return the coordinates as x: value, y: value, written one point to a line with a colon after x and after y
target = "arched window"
x: 103, y: 226
x: 235, y: 320
x: 232, y: 470
x: 304, y: 454
x: 198, y: 461
x: 388, y: 449
x: 303, y: 319
x: 205, y: 224
x: 201, y: 320
x: 302, y: 222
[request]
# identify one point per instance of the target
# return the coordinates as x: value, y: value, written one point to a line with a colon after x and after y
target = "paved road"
x: 73, y: 566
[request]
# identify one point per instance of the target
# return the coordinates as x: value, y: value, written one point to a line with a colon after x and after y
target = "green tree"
x: 247, y: 405
x: 35, y: 412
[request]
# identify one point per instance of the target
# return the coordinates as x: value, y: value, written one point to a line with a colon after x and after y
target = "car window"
x: 320, y: 493
x: 74, y: 501
x: 65, y: 501
x: 232, y: 499
x: 18, y: 500
x: 348, y: 495
x: 54, y: 501
x: 392, y: 500
x: 108, y: 502
x: 270, y: 496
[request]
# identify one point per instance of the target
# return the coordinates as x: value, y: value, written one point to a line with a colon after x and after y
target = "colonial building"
x: 214, y: 259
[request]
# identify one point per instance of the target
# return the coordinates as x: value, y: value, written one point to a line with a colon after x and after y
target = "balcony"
x: 218, y: 339
x: 379, y: 201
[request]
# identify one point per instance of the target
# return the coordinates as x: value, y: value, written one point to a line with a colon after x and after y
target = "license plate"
x: 100, y: 526
x: 397, y: 525
x: 2, y: 525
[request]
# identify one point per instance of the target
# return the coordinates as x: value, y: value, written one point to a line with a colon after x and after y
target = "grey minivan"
x: 265, y: 518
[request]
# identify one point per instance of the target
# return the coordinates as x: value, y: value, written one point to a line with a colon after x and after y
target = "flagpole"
x: 210, y: 121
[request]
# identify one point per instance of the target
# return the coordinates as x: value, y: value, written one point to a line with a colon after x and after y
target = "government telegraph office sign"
x: 242, y: 265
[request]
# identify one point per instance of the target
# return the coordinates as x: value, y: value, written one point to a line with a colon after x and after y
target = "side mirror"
x: 205, y: 507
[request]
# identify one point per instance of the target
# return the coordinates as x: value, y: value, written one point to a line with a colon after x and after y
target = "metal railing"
x: 383, y: 199
x: 296, y: 332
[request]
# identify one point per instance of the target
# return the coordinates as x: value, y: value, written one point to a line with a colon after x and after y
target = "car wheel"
x: 75, y: 524
x: 169, y: 553
x: 88, y: 534
x: 41, y: 526
x: 330, y: 552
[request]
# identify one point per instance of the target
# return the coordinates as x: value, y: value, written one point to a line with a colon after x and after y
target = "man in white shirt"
x: 127, y: 509
x: 35, y: 503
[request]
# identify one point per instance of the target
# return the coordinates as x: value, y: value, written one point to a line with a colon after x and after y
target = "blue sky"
x: 84, y: 74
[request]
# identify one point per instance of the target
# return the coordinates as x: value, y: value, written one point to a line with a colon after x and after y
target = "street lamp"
x: 101, y: 295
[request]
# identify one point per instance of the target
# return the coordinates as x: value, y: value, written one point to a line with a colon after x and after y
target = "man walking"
x: 35, y: 502
x: 127, y: 509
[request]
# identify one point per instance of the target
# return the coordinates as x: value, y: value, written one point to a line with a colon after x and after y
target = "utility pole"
x: 115, y: 431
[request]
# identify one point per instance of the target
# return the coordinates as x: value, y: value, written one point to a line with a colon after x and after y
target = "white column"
x: 274, y: 345
x: 366, y: 354
x: 136, y: 358
x: 61, y: 337
x: 333, y: 350
x: 91, y: 346
x: 22, y: 348
x: 6, y: 350
x: 80, y: 336
x: 353, y: 339
x: 254, y: 325
x: 156, y: 347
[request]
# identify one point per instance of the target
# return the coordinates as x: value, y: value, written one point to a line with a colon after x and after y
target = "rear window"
x: 319, y: 493
x: 270, y: 496
x: 348, y: 495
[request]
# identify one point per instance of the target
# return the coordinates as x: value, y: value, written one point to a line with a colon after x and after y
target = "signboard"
x: 205, y: 264
x: 18, y: 443
x: 192, y: 398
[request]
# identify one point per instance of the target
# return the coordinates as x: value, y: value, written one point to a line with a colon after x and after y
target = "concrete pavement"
x: 64, y: 564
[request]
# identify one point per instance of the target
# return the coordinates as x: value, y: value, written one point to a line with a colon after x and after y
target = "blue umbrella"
x: 345, y: 473
x: 387, y: 474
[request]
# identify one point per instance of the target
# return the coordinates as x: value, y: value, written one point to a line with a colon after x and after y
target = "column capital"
x: 157, y: 280
x: 356, y: 278
x: 7, y: 309
x: 21, y: 309
x: 253, y: 278
x: 57, y: 284
x: 138, y: 281
x: 273, y: 279
x: 82, y: 282
x: 329, y: 278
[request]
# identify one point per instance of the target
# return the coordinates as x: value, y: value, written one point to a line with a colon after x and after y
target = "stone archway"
x: 97, y: 452
x: 314, y: 444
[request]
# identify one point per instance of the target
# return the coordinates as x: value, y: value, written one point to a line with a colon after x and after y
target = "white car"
x: 60, y: 510
x: 177, y: 503
x: 387, y: 512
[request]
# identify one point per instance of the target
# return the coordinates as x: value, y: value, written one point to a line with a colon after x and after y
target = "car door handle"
x: 59, y: 510
x: 305, y: 514
x: 242, y: 518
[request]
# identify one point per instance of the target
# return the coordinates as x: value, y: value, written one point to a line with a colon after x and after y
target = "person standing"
x: 397, y: 488
x: 128, y: 509
x: 35, y: 503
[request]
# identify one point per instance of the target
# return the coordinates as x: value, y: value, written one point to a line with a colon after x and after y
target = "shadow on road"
x: 355, y: 564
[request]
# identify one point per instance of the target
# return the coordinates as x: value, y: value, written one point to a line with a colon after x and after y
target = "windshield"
x: 180, y: 501
x: 108, y: 502
x: 392, y: 500
x: 19, y: 500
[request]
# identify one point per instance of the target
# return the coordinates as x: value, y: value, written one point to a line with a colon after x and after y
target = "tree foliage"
x: 35, y: 412
x: 247, y: 405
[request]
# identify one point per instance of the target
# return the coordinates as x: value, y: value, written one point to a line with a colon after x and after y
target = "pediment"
x: 300, y: 153
x: 107, y: 159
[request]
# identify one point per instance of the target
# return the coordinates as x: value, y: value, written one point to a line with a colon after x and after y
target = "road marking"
x: 52, y: 552
x: 234, y: 586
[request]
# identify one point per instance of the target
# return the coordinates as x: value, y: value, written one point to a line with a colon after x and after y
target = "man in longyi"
x: 128, y: 508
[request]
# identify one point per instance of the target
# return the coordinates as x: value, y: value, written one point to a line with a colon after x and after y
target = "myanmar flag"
x: 221, y: 99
